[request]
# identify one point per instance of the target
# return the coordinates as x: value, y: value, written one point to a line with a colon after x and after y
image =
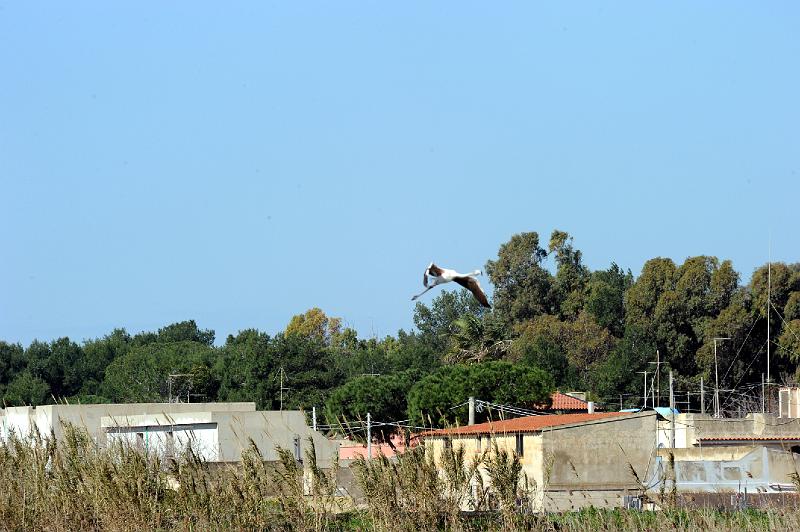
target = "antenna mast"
x: 769, y: 302
x: 282, y: 386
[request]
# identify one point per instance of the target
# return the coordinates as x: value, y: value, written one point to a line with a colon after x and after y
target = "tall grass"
x: 73, y: 484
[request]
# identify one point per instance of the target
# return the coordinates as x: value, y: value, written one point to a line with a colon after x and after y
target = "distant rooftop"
x: 524, y: 424
x: 562, y: 401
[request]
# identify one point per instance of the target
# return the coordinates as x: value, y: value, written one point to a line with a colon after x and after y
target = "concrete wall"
x: 222, y: 436
x: 270, y: 430
x: 732, y: 469
x: 49, y: 417
x: 591, y: 464
x: 166, y: 434
x: 579, y: 465
x: 754, y: 425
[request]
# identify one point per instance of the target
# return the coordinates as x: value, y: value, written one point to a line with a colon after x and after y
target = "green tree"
x: 235, y: 365
x: 142, y: 374
x: 546, y: 354
x: 431, y: 400
x: 12, y: 361
x: 97, y: 355
x: 605, y: 298
x: 584, y: 343
x: 641, y: 299
x: 522, y: 286
x: 478, y: 339
x: 569, y: 285
x: 792, y: 309
x: 436, y: 323
x: 308, y: 368
x: 734, y: 356
x: 617, y: 374
x: 374, y: 394
x: 186, y: 331
x: 789, y: 342
x: 26, y: 389
x: 315, y: 325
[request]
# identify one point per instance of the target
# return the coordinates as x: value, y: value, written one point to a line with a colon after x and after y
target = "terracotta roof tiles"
x: 525, y: 424
x: 562, y: 401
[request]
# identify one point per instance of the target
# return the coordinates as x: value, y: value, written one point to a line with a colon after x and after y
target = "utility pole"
x: 314, y: 417
x: 471, y: 411
x: 769, y: 303
x: 671, y: 412
x: 656, y: 391
x: 369, y: 436
x: 762, y: 395
x: 702, y: 397
x: 645, y: 387
x: 716, y: 379
x: 170, y: 379
x: 283, y: 373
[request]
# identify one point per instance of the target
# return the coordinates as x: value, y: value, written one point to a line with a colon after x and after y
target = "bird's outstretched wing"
x: 472, y: 284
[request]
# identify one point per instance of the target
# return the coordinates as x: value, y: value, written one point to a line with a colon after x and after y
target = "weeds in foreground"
x: 72, y: 484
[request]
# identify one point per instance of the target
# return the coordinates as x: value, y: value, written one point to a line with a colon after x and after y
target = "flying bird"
x: 435, y: 275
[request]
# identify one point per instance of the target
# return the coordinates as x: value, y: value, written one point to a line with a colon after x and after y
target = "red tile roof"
x: 562, y: 401
x: 750, y: 438
x: 525, y: 424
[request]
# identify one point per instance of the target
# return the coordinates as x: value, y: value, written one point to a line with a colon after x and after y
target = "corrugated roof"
x: 524, y: 424
x: 562, y: 401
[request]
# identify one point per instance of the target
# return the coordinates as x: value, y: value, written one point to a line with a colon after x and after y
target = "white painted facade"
x: 166, y: 435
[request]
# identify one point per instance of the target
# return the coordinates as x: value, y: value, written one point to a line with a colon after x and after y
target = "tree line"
x: 555, y: 324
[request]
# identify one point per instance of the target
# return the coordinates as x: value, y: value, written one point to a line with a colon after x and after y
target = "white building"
x: 218, y: 432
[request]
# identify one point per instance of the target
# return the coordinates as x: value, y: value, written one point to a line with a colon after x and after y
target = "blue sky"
x: 240, y: 164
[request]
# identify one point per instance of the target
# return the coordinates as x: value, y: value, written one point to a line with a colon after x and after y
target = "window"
x: 297, y: 451
x: 140, y: 440
x: 520, y: 445
x: 169, y: 445
x: 479, y: 442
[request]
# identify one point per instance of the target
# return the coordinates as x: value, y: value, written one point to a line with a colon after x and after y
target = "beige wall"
x: 230, y: 432
x: 579, y: 465
x: 719, y: 469
x: 704, y: 426
x: 270, y: 430
x: 600, y: 454
x: 50, y: 417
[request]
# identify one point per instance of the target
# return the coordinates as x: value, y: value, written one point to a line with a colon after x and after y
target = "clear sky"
x: 238, y: 163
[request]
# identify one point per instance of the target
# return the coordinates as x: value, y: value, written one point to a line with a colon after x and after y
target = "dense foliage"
x: 555, y: 324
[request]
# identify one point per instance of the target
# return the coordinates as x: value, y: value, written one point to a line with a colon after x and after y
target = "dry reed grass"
x: 72, y: 484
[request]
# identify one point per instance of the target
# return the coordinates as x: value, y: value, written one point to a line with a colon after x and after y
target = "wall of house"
x: 593, y: 463
x: 223, y: 436
x: 270, y: 430
x: 706, y: 426
x: 574, y: 466
x: 733, y: 469
x: 50, y: 417
x: 170, y: 440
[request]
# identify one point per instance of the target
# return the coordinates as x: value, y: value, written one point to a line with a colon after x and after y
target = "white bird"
x: 443, y: 275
